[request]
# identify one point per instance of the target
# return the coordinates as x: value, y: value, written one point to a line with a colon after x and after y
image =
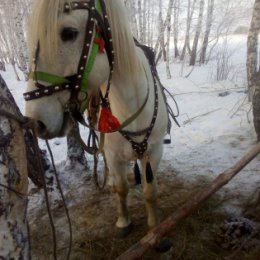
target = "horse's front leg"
x: 118, y: 172
x: 150, y: 187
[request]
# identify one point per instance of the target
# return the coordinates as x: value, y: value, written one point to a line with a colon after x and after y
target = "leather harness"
x: 78, y: 82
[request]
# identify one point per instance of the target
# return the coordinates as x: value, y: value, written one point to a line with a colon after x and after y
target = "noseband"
x: 97, y: 23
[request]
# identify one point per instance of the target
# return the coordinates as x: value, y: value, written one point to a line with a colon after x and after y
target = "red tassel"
x: 107, y: 122
x: 101, y: 44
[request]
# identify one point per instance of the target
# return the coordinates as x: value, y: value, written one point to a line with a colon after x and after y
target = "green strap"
x: 47, y: 77
x: 89, y: 67
x: 92, y: 57
x: 54, y: 79
x: 98, y: 7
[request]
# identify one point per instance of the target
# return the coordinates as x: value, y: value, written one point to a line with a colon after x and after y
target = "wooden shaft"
x: 156, y: 234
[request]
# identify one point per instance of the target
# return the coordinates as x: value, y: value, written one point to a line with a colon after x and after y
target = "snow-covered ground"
x: 216, y: 130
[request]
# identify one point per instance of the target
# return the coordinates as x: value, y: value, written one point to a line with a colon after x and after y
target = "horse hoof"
x: 123, y: 232
x: 164, y: 245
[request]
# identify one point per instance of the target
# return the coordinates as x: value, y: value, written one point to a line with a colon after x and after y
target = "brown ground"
x: 93, y: 214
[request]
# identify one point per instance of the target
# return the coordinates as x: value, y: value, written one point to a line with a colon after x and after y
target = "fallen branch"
x: 205, y: 114
x: 155, y: 235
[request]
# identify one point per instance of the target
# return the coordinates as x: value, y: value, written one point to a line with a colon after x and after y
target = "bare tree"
x: 253, y: 70
x: 193, y: 55
x: 207, y: 31
x: 190, y: 12
x: 168, y: 22
x: 12, y: 30
x: 176, y: 28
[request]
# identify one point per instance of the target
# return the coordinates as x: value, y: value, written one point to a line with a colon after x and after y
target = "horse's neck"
x: 128, y: 94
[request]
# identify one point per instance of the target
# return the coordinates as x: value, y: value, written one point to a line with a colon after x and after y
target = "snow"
x: 215, y: 131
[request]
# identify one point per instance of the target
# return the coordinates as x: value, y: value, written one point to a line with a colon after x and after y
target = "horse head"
x: 71, y: 56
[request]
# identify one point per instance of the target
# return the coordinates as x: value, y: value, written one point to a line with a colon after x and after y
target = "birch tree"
x: 193, y: 55
x: 207, y: 31
x: 12, y: 40
x: 168, y: 22
x: 176, y: 28
x: 253, y: 69
x: 14, y: 237
x: 190, y: 12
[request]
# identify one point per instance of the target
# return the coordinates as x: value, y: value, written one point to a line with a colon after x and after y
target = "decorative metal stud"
x: 77, y: 87
x: 57, y: 88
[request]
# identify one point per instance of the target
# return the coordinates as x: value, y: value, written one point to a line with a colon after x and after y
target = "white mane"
x: 43, y: 28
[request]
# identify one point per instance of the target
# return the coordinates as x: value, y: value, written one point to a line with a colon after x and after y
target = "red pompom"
x: 101, y: 43
x: 107, y: 122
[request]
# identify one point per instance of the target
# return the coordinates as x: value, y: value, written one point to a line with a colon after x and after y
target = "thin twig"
x: 205, y: 114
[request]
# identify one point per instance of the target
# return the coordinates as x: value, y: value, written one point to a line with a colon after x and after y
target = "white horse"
x: 60, y: 36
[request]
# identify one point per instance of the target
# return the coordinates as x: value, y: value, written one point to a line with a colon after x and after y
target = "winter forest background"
x: 207, y: 56
x: 192, y: 28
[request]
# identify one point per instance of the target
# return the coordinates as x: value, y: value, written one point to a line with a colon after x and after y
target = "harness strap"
x: 87, y: 60
x: 141, y: 147
x: 47, y: 77
x: 79, y: 117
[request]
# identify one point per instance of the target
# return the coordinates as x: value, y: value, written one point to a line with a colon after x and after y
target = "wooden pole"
x: 14, y: 237
x: 155, y: 235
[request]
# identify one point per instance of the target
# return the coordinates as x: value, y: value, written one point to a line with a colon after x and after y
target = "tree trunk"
x: 197, y: 35
x: 190, y: 12
x: 176, y: 28
x: 207, y: 31
x: 256, y: 107
x: 253, y: 71
x: 15, y: 70
x: 168, y: 24
x: 252, y: 48
x: 2, y: 66
x: 75, y: 153
x: 14, y: 237
x: 141, y: 33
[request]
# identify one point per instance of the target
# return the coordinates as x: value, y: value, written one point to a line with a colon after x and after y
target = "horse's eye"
x: 69, y: 34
